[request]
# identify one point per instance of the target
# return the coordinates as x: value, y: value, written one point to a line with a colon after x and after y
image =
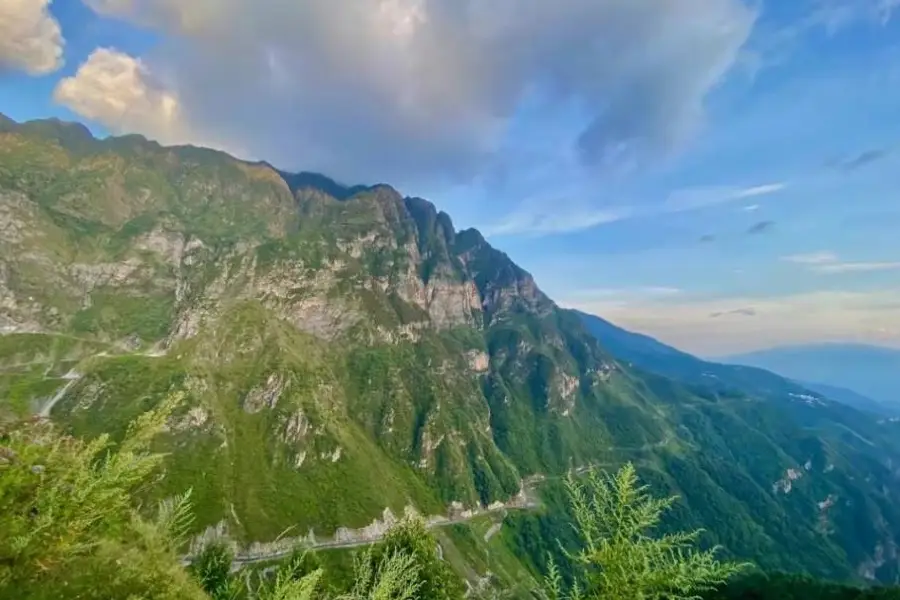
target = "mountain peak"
x: 321, y: 183
x: 68, y: 134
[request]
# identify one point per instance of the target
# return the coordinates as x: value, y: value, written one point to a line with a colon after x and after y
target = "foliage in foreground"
x: 70, y: 525
x: 73, y: 529
x: 620, y: 559
x: 409, y: 537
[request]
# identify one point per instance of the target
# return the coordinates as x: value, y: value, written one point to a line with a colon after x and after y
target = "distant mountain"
x: 851, y: 398
x: 872, y: 371
x: 651, y: 355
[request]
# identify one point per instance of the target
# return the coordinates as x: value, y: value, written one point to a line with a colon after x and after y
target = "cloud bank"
x: 30, y: 38
x: 395, y: 89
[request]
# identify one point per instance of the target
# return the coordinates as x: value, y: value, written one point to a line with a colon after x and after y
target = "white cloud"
x: 118, y: 91
x: 812, y: 258
x: 857, y: 267
x: 760, y: 190
x: 721, y: 326
x: 30, y: 38
x: 702, y: 197
x: 830, y: 263
x: 400, y: 89
x: 751, y: 208
x: 563, y: 216
x: 553, y: 218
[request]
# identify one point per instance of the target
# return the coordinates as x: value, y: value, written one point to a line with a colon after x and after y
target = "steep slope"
x: 339, y: 356
x: 872, y: 371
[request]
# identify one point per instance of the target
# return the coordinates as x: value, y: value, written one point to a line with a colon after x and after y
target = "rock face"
x: 478, y: 361
x: 786, y: 483
x: 265, y: 396
x: 342, y: 350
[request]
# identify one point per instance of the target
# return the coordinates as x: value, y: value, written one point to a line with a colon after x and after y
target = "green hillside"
x: 342, y: 355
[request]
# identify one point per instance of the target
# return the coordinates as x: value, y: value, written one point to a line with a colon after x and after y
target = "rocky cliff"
x: 339, y: 351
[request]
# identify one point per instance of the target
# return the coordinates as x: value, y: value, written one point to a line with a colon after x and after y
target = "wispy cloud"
x: 628, y: 294
x: 550, y: 220
x: 759, y: 190
x: 738, y: 312
x: 751, y: 208
x: 761, y: 227
x: 829, y: 263
x: 812, y: 258
x: 834, y: 15
x: 548, y: 217
x: 774, y: 43
x: 703, y: 197
x: 862, y: 159
x: 856, y: 267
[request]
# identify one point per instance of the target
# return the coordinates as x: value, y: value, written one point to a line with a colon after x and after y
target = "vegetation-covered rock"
x: 341, y: 351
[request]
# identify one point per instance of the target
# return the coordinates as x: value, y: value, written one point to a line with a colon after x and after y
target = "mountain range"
x: 342, y: 351
x: 652, y: 355
x: 872, y: 371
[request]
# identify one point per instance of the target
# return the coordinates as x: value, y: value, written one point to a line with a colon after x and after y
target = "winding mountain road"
x: 72, y: 377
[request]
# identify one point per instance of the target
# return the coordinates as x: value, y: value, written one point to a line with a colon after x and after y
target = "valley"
x: 321, y: 339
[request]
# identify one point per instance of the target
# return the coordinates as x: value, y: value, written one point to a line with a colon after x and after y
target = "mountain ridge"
x: 873, y: 371
x: 324, y: 344
x: 653, y: 355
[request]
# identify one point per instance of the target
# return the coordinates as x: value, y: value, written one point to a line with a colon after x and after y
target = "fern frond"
x: 175, y: 516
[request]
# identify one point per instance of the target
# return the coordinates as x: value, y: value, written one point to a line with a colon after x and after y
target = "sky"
x: 721, y: 174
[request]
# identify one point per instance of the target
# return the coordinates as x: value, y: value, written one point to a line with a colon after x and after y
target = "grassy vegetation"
x: 78, y: 530
x: 120, y: 315
x: 413, y: 422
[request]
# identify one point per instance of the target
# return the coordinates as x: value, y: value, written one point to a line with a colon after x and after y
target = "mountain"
x: 334, y: 357
x: 656, y: 357
x: 851, y: 398
x: 872, y: 371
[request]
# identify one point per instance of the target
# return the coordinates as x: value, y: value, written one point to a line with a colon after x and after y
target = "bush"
x: 619, y: 559
x: 71, y: 528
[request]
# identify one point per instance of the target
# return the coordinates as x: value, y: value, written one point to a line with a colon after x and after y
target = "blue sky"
x: 720, y: 174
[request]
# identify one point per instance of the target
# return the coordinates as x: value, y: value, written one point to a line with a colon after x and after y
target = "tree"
x: 619, y: 558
